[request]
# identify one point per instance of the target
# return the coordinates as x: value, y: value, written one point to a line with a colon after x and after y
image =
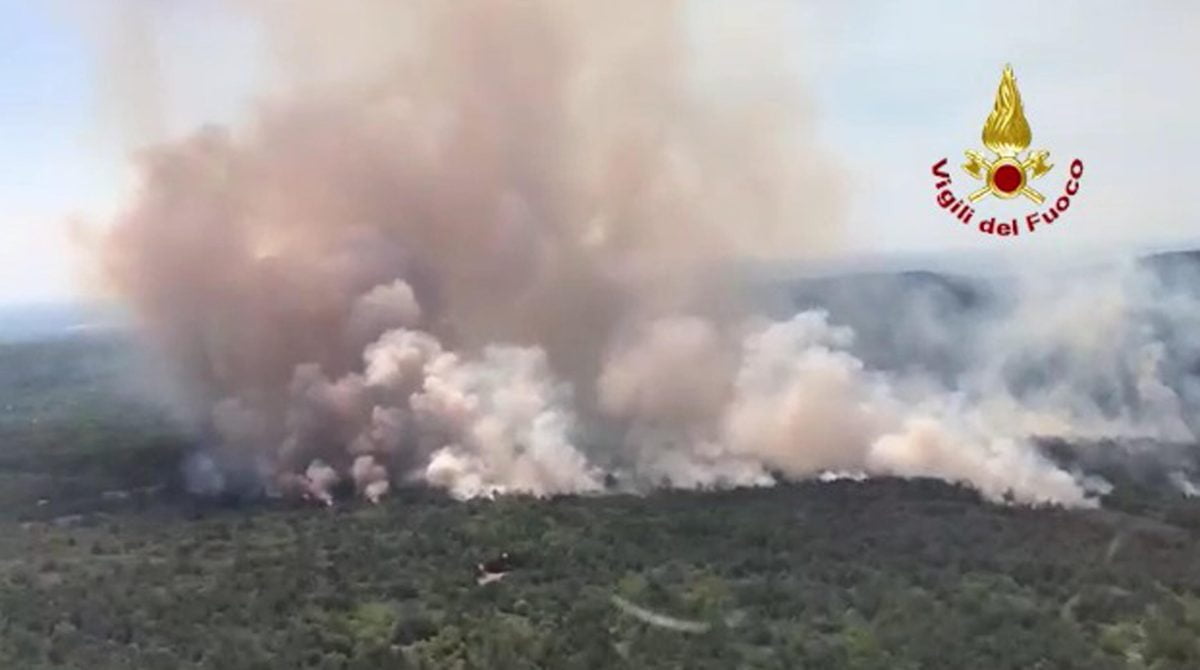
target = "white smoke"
x: 202, y: 475
x: 1088, y: 357
x: 370, y: 478
x: 381, y: 309
x: 320, y: 480
x: 505, y: 424
x: 484, y: 246
x: 1184, y: 484
x: 801, y: 405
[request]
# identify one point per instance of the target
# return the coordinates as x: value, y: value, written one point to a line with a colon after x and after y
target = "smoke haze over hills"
x: 486, y: 246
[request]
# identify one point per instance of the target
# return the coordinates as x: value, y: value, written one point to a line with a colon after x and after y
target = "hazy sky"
x: 896, y: 86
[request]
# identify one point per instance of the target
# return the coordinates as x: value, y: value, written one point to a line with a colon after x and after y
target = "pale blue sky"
x: 896, y: 86
x: 72, y: 109
x: 45, y: 111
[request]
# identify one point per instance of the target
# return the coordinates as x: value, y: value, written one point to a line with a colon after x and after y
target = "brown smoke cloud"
x: 480, y: 245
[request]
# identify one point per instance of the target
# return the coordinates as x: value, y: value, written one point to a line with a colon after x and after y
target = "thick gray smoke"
x: 479, y: 245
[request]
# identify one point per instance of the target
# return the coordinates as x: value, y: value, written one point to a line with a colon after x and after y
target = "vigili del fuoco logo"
x: 1009, y: 172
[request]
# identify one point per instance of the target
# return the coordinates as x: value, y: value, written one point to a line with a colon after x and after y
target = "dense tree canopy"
x: 100, y: 568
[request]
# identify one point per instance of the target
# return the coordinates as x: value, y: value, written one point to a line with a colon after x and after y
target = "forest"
x: 105, y: 563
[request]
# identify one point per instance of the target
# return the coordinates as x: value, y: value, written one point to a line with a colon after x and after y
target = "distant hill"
x: 25, y: 322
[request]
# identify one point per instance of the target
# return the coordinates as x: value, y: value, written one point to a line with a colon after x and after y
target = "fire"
x: 1007, y: 131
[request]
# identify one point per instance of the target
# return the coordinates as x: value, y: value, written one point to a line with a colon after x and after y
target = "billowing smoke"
x: 485, y: 246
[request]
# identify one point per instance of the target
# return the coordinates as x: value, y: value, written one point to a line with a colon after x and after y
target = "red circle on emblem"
x: 1007, y: 178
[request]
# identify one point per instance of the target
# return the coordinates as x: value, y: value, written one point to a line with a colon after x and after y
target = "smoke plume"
x: 484, y: 246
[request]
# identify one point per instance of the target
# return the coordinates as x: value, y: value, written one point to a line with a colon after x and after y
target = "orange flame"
x: 1006, y: 131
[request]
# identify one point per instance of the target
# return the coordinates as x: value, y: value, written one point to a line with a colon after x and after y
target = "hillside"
x: 105, y: 564
x: 880, y: 574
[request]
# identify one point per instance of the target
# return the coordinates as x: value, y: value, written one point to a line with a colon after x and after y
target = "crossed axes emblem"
x: 1006, y: 176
